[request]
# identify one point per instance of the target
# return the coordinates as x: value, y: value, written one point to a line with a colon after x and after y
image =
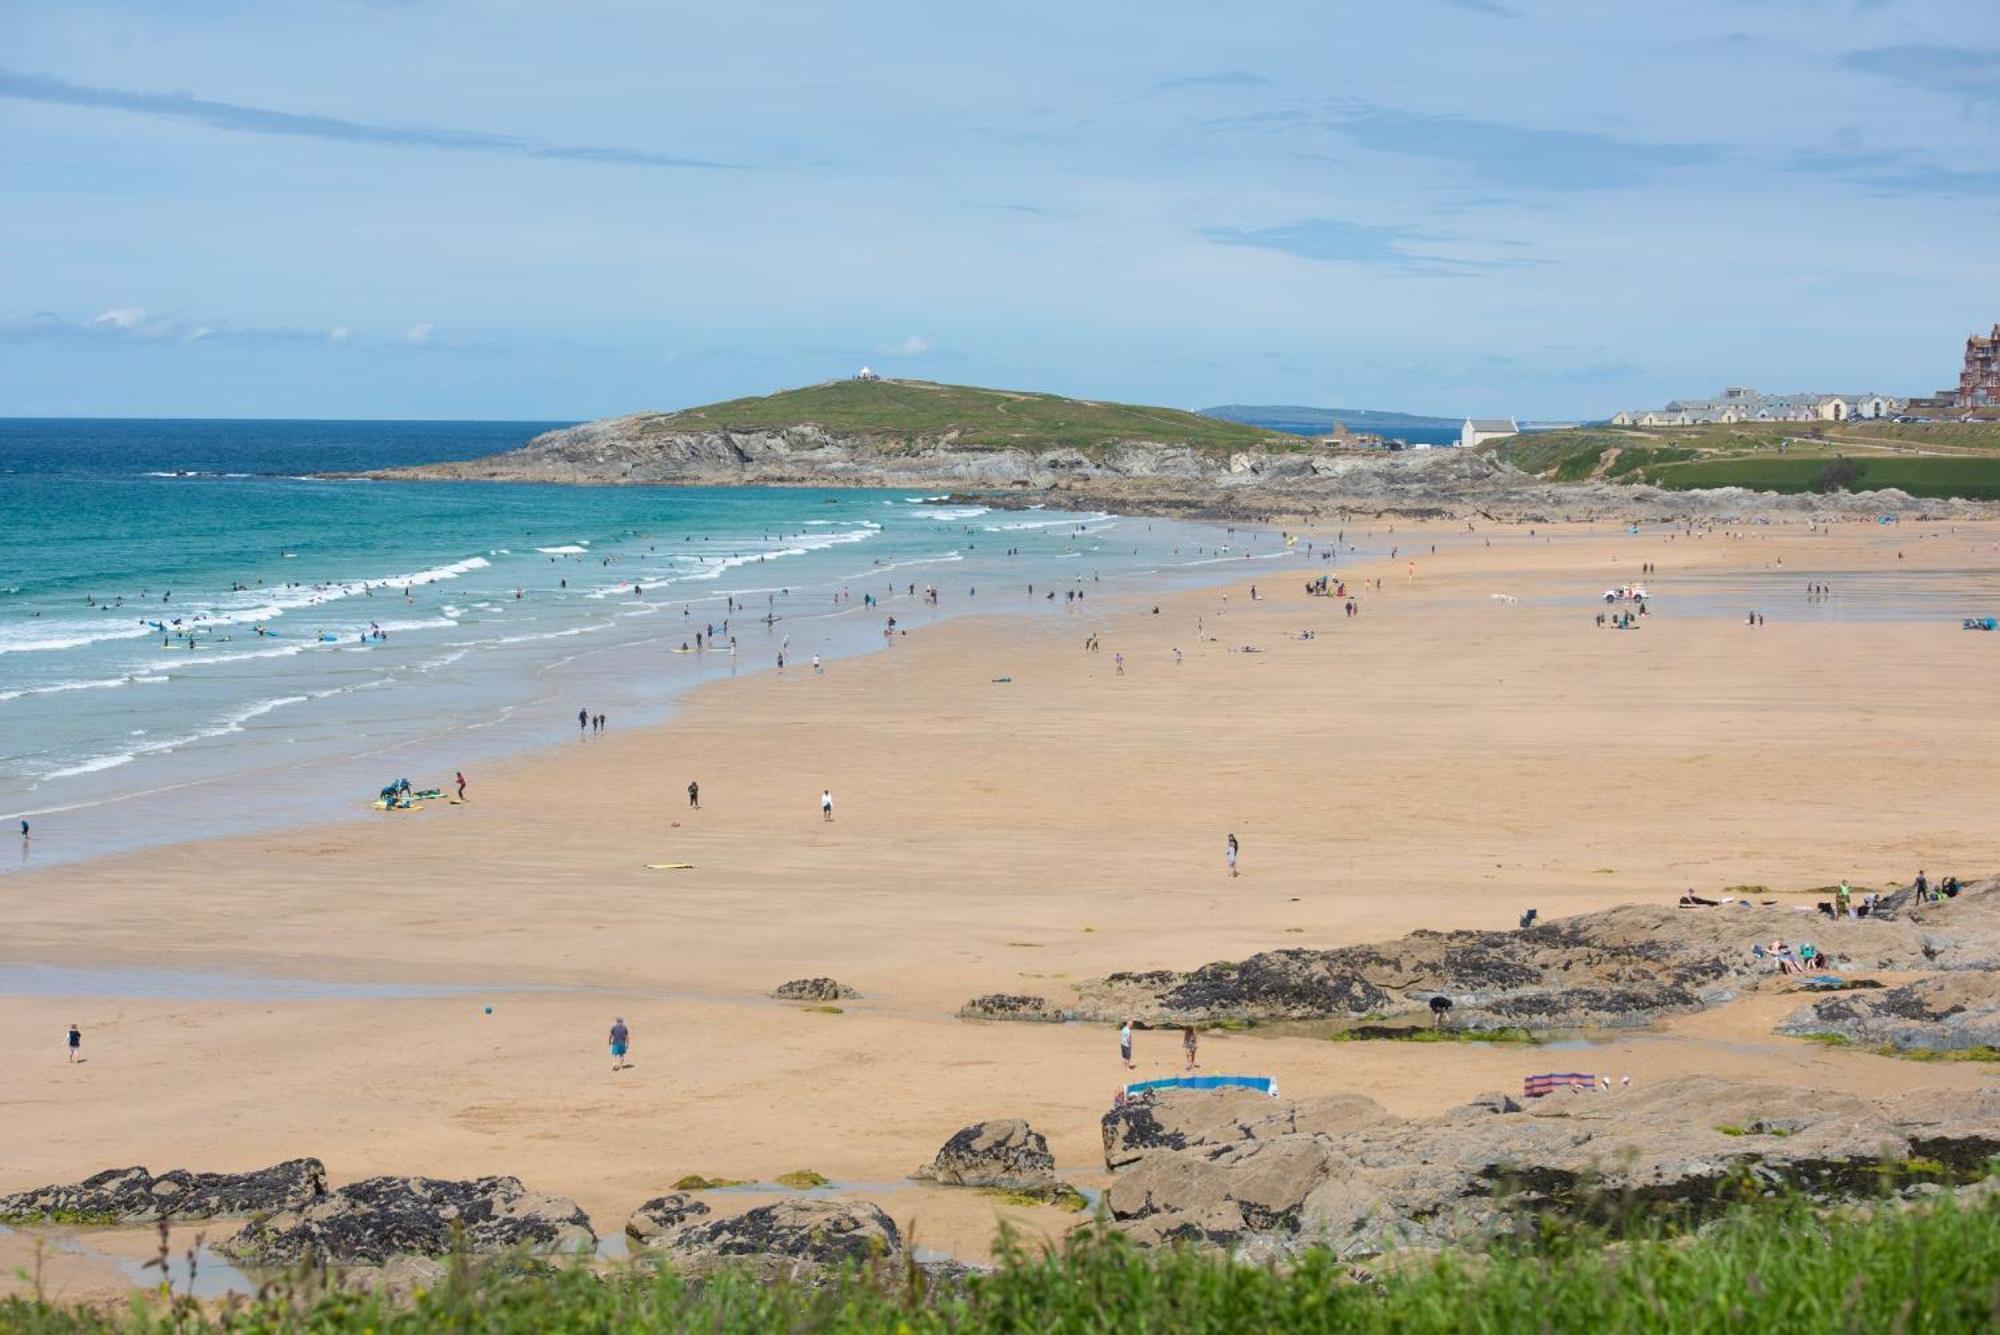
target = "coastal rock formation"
x: 371, y: 1221
x: 1134, y: 475
x: 133, y: 1195
x: 813, y: 989
x: 1948, y: 1013
x: 1618, y: 968
x: 1005, y: 1154
x: 1009, y: 1006
x: 657, y: 1218
x: 1210, y: 1167
x: 787, y: 1239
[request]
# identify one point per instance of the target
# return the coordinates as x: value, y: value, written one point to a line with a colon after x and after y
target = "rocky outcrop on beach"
x: 1235, y: 1169
x: 372, y: 1221
x: 133, y: 1195
x: 1952, y: 1012
x: 1136, y: 476
x: 788, y: 1239
x: 1009, y: 1006
x: 814, y: 989
x: 1005, y: 1154
x: 1618, y: 968
x: 662, y: 1215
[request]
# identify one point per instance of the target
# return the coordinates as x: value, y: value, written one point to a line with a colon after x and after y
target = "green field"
x: 1771, y: 1266
x: 1969, y: 476
x: 893, y: 411
x: 1925, y: 459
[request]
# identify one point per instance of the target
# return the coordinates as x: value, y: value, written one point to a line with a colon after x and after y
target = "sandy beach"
x: 1447, y: 758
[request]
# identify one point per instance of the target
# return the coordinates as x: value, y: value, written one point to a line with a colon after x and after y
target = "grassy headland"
x: 888, y: 411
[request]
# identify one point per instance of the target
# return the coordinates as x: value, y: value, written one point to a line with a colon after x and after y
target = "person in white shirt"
x: 826, y: 804
x: 1125, y: 1044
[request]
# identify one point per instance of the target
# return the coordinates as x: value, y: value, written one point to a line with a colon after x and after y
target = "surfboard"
x: 669, y: 866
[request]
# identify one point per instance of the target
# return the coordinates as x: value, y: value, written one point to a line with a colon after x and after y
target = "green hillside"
x: 892, y: 410
x: 1936, y: 460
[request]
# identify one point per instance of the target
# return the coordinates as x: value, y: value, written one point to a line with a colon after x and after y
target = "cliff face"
x: 1134, y: 476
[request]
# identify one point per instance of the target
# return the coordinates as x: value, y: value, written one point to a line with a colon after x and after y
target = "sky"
x: 562, y: 209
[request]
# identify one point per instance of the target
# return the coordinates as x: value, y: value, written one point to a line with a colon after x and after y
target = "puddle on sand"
x: 210, y: 1275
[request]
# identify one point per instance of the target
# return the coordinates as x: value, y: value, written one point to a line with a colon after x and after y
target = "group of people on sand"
x: 1190, y: 1044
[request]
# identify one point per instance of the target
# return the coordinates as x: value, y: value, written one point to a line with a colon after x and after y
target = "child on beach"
x: 1188, y: 1042
x: 826, y: 804
x: 75, y: 1045
x: 1230, y: 854
x: 1125, y: 1044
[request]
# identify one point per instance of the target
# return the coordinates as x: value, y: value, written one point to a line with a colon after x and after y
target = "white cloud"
x: 340, y: 333
x: 916, y: 345
x: 120, y: 317
x: 420, y: 334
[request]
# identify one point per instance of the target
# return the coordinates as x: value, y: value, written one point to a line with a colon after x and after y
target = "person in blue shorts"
x: 621, y: 1043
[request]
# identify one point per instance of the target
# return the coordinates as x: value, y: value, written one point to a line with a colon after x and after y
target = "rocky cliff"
x: 1136, y: 476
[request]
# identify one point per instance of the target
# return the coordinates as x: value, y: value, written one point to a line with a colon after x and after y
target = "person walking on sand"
x: 75, y: 1045
x: 461, y: 785
x: 1125, y: 1044
x: 1188, y: 1042
x: 1229, y: 854
x: 694, y: 795
x: 621, y: 1043
x: 826, y: 804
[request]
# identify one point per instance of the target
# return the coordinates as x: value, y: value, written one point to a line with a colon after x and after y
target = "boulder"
x: 369, y: 1222
x: 1208, y: 1166
x: 1009, y: 1006
x: 1006, y: 1155
x: 788, y: 1239
x: 1947, y: 1013
x: 660, y: 1216
x: 130, y: 1195
x: 813, y: 989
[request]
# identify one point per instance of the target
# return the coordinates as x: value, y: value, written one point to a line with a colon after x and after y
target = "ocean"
x: 197, y: 637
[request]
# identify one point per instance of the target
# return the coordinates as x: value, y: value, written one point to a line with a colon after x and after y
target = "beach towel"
x: 1535, y: 1086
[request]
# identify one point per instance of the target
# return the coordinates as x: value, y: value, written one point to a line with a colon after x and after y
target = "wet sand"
x: 1445, y: 759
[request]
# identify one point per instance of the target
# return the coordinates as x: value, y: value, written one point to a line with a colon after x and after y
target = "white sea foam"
x: 1065, y: 522
x: 229, y: 723
x: 567, y: 549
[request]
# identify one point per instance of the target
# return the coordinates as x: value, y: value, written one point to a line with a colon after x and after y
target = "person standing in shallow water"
x: 621, y: 1043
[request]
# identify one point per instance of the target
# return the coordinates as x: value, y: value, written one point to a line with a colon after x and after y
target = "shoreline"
x: 1442, y: 760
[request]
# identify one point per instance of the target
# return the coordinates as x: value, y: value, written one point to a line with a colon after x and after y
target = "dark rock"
x: 814, y: 989
x: 1006, y: 1154
x: 662, y: 1215
x: 1618, y: 968
x: 126, y: 1195
x: 789, y: 1238
x: 1009, y: 1006
x: 368, y: 1222
x: 1947, y: 1013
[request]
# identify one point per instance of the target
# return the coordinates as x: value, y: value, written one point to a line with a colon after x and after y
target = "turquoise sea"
x: 198, y: 637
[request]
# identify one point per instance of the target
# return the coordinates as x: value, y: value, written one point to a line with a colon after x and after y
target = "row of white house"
x: 1747, y: 405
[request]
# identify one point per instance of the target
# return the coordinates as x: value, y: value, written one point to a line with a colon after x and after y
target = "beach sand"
x: 1445, y: 759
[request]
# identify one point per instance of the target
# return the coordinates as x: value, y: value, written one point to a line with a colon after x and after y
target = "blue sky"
x: 510, y: 208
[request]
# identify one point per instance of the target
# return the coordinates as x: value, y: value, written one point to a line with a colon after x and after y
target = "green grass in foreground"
x: 892, y: 410
x: 1771, y: 1267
